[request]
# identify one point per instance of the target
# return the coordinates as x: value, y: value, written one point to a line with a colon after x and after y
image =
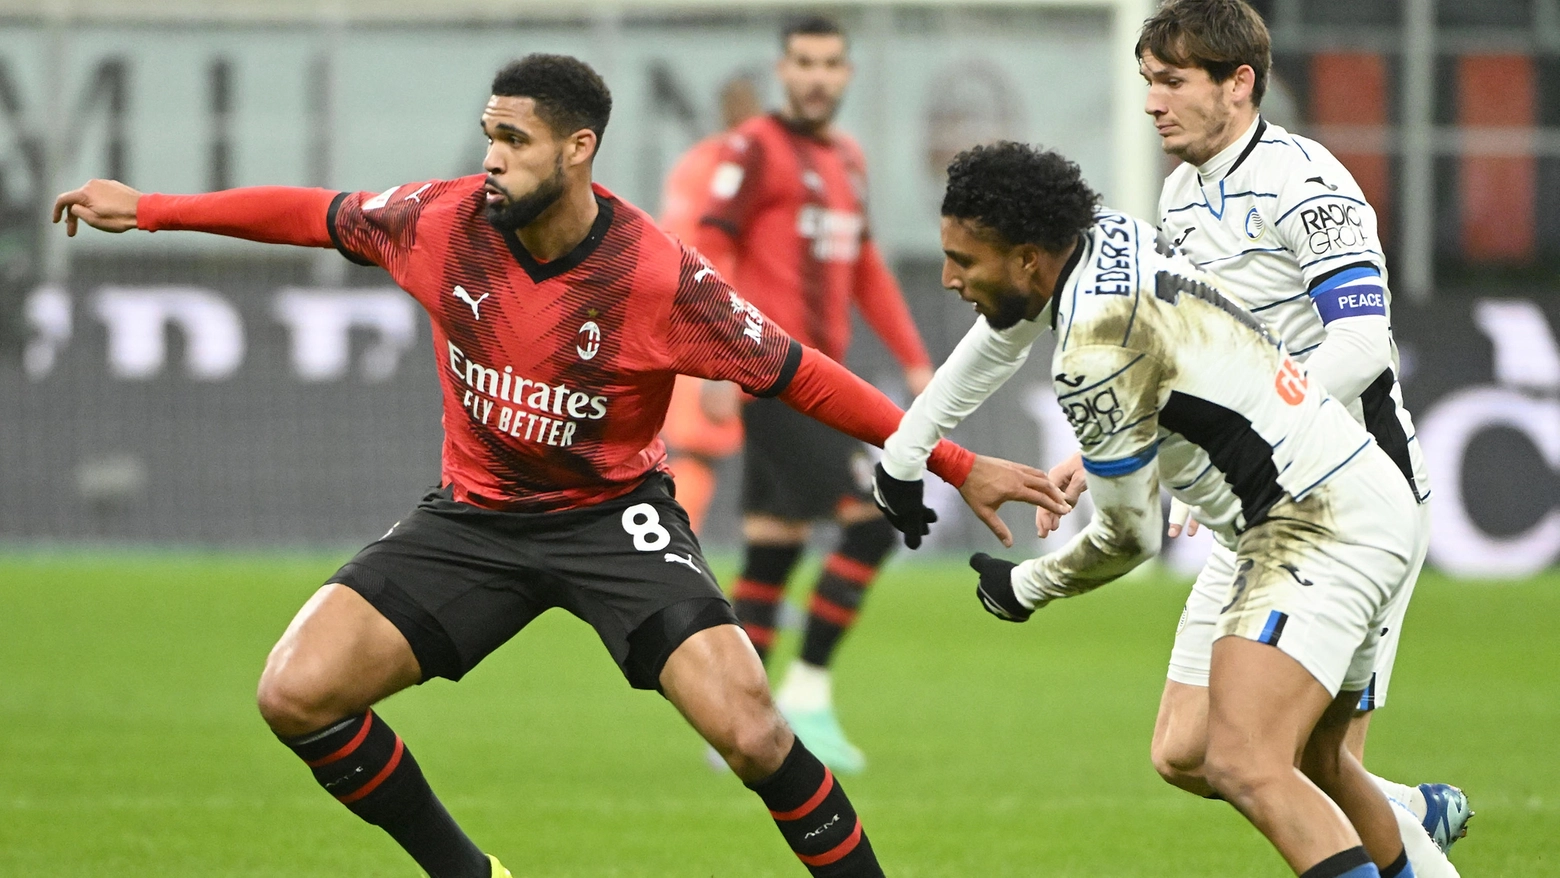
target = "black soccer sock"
x: 365, y: 765
x: 1399, y: 867
x: 756, y: 595
x: 816, y: 818
x: 843, y: 585
x: 1352, y: 863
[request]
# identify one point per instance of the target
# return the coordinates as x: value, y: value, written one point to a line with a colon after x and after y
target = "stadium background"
x: 171, y: 398
x: 191, y: 390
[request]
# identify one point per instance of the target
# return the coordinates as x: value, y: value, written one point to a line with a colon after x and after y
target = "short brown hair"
x: 809, y: 26
x: 1219, y: 36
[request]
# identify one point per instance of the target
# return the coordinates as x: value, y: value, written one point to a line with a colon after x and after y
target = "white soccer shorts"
x: 1349, y: 568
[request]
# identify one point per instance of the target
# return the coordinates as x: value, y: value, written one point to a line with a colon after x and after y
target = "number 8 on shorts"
x: 642, y: 522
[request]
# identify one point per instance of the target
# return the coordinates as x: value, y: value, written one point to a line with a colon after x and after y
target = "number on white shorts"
x: 643, y: 523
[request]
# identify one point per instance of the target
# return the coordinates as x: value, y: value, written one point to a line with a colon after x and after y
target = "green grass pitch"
x: 129, y: 743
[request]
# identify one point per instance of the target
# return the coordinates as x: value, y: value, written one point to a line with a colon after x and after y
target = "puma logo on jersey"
x: 461, y: 294
x: 380, y: 200
x: 413, y: 196
x: 1320, y: 181
x: 685, y: 560
x: 702, y: 273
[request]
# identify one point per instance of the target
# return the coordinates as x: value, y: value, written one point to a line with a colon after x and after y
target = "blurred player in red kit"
x: 787, y: 224
x: 701, y: 429
x: 560, y: 315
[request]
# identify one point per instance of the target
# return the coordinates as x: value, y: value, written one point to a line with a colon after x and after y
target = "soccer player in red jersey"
x: 560, y: 315
x: 787, y: 224
x: 700, y: 433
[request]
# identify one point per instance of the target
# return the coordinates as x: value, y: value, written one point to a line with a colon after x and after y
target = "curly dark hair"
x: 569, y: 95
x: 1025, y: 194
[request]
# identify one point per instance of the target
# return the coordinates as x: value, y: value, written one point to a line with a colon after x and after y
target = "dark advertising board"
x: 260, y: 412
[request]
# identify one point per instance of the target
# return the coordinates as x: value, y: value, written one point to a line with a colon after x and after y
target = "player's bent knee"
x: 758, y: 745
x: 290, y: 706
x: 1180, y: 744
x: 751, y: 736
x: 1179, y: 764
x: 295, y: 698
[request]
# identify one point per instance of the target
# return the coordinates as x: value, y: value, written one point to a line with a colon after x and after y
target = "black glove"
x: 996, y: 588
x: 902, y: 506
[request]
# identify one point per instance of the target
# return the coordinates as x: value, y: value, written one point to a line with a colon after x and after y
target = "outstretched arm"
x: 269, y: 214
x: 106, y: 205
x: 827, y: 391
x: 983, y: 360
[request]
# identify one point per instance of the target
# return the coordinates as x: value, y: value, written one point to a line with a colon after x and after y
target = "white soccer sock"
x: 807, y: 687
x: 1423, y: 855
x: 1407, y: 796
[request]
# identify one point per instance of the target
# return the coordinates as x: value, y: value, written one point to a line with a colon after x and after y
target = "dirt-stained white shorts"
x: 1326, y: 580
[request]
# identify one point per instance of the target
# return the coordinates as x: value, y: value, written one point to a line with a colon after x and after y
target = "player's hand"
x: 720, y: 400
x: 1181, y: 515
x: 902, y: 506
x: 994, y: 481
x: 1070, y: 478
x: 916, y: 378
x: 996, y: 588
x: 106, y: 205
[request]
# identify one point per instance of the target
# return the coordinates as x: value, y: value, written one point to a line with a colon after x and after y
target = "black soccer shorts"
x: 796, y: 468
x: 459, y: 581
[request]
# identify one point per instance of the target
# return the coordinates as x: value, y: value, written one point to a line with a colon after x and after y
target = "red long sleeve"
x: 827, y: 391
x: 719, y: 247
x: 269, y: 214
x: 882, y: 305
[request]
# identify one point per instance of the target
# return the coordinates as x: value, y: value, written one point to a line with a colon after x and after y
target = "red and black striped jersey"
x: 556, y: 376
x: 786, y: 221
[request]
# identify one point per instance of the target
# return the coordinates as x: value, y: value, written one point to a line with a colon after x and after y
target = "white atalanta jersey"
x: 1154, y: 366
x: 1154, y: 361
x: 1287, y: 231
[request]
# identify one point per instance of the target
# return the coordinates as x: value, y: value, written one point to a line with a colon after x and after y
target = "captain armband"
x: 1352, y: 291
